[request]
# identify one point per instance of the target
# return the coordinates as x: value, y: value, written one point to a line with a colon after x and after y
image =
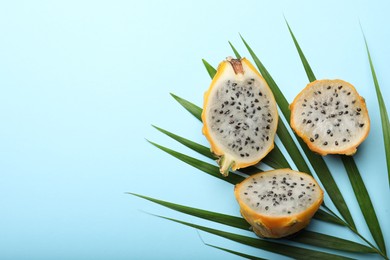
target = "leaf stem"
x: 354, y: 230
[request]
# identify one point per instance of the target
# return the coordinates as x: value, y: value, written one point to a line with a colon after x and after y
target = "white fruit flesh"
x: 280, y: 194
x: 330, y: 116
x: 241, y: 115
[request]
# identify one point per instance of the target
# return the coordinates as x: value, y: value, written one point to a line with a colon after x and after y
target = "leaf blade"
x: 203, y: 166
x: 363, y: 198
x: 382, y: 110
x: 305, y: 237
x: 210, y: 69
x: 288, y: 250
x: 309, y: 71
x: 193, y: 109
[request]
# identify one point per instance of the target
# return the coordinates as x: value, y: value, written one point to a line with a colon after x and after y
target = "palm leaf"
x: 325, y: 216
x: 316, y: 161
x: 355, y: 178
x: 382, y: 109
x: 287, y: 250
x: 237, y: 253
x: 364, y: 201
x: 305, y: 237
x: 203, y: 166
x: 238, y: 56
x: 210, y: 69
x: 194, y: 110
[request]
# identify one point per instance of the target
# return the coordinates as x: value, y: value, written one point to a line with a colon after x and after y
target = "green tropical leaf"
x: 237, y: 253
x: 382, y: 109
x: 203, y: 166
x: 193, y: 109
x: 210, y: 69
x: 325, y: 216
x: 305, y: 237
x: 364, y: 201
x: 309, y: 72
x: 355, y: 178
x: 203, y: 150
x: 238, y: 56
x: 316, y: 161
x: 190, y: 144
x: 269, y: 245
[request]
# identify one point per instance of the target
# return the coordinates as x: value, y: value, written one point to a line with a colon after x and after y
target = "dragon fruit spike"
x: 278, y: 203
x: 331, y: 117
x: 239, y: 115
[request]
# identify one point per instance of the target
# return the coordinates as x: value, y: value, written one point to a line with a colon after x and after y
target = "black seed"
x: 237, y: 127
x: 346, y: 112
x: 266, y: 207
x: 308, y: 121
x: 227, y: 112
x: 325, y: 143
x: 247, y: 154
x: 340, y: 113
x: 336, y: 143
x: 238, y: 107
x: 256, y: 100
x: 328, y: 87
x: 353, y: 102
x: 304, y: 121
x: 345, y: 106
x: 234, y: 84
x: 349, y: 93
x: 303, y: 105
x: 358, y: 109
x: 226, y: 102
x: 344, y: 140
x: 323, y: 112
x: 361, y: 125
x: 328, y: 131
x: 268, y: 127
x: 319, y: 92
x: 316, y: 119
x: 231, y: 122
x: 300, y: 196
x: 337, y: 103
x: 340, y: 87
x: 258, y: 108
x: 357, y: 113
x: 311, y: 140
x: 242, y: 155
x: 316, y: 136
x: 332, y: 115
x: 260, y: 94
x: 325, y: 104
x: 221, y: 112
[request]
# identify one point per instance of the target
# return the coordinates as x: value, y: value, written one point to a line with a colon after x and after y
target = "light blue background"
x: 82, y: 81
